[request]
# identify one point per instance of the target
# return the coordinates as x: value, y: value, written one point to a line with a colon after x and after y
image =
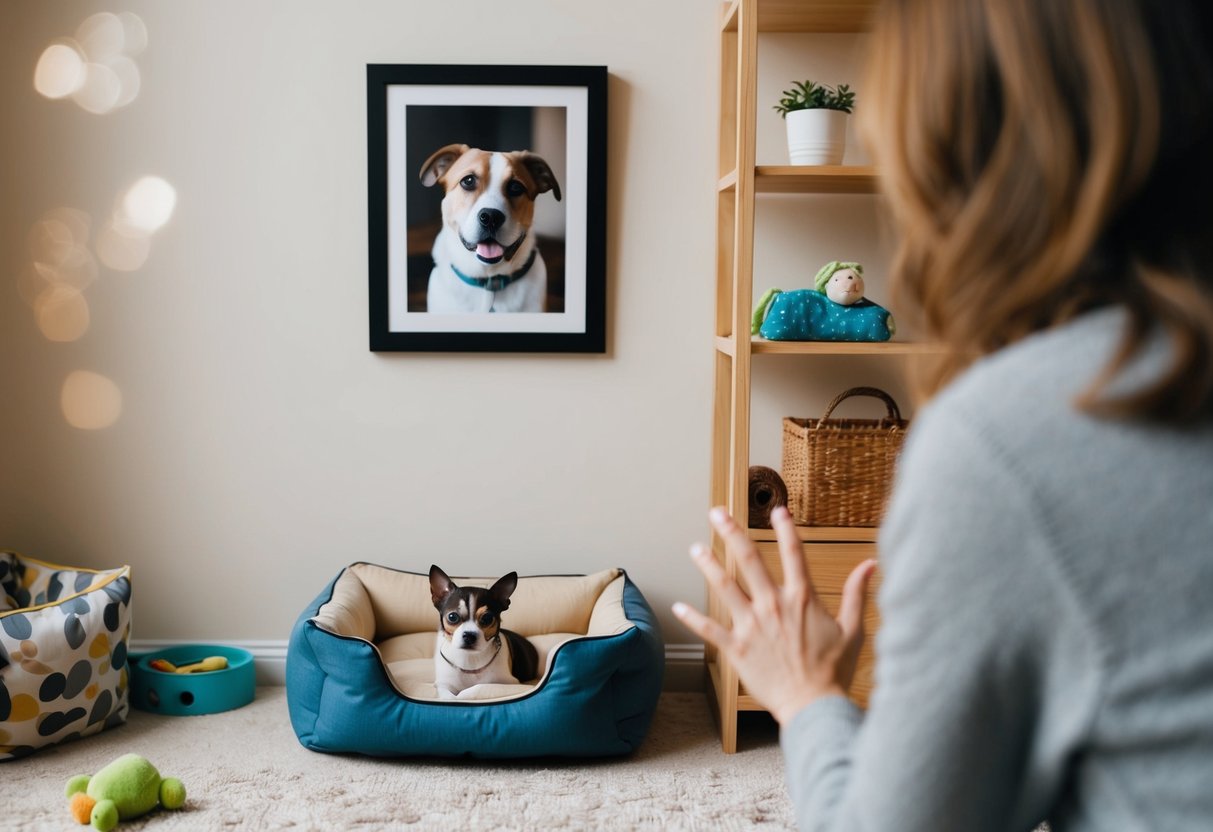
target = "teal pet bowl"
x: 186, y: 694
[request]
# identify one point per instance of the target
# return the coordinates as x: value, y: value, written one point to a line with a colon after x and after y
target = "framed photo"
x: 487, y: 207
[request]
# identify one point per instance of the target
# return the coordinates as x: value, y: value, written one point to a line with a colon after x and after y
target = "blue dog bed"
x: 359, y: 670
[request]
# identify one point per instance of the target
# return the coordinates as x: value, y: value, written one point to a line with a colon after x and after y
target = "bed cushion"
x: 360, y: 671
x: 64, y: 633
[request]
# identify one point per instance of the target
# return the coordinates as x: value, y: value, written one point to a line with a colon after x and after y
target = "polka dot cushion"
x: 63, y: 640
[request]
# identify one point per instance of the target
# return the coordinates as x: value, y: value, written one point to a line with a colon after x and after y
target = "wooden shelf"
x: 815, y: 179
x: 807, y: 179
x: 824, y: 16
x: 761, y: 346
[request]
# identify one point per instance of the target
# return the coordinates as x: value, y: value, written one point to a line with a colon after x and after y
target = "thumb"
x: 854, y: 598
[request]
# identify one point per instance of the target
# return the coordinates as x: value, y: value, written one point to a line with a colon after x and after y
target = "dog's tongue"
x: 489, y: 250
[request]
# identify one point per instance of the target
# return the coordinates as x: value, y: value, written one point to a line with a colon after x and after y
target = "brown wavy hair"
x: 1043, y: 158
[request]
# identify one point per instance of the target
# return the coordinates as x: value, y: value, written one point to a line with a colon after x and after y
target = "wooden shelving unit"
x: 831, y: 553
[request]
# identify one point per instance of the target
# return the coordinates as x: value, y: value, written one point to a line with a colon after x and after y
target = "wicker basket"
x: 838, y: 471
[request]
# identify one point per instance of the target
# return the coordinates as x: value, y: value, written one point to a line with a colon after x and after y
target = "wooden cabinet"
x: 831, y: 552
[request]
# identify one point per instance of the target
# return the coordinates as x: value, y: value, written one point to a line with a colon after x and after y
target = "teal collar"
x: 497, y: 282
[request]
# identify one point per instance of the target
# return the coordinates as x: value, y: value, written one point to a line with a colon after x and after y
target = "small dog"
x: 485, y: 257
x: 473, y: 648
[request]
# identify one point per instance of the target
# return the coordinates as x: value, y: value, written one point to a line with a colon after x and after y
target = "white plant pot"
x: 817, y: 136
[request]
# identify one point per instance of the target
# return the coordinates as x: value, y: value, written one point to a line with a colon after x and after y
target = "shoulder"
x: 1035, y: 380
x: 966, y: 491
x: 1016, y: 408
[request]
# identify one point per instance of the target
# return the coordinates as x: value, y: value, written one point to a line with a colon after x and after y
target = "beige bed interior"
x: 392, y: 611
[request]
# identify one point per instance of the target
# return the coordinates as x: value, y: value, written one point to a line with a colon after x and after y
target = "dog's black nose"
x: 491, y: 219
x: 469, y: 639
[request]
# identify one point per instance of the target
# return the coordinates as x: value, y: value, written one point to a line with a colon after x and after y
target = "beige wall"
x: 261, y: 446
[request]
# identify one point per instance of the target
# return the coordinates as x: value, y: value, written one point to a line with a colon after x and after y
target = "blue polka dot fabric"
x: 63, y: 649
x: 808, y: 315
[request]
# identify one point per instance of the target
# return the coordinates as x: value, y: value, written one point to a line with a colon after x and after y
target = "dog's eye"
x: 452, y: 617
x: 486, y: 619
x: 514, y: 188
x: 468, y: 183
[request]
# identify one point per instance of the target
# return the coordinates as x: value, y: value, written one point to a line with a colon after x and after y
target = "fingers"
x: 728, y: 590
x: 791, y: 553
x: 854, y: 597
x: 704, y: 627
x: 737, y: 540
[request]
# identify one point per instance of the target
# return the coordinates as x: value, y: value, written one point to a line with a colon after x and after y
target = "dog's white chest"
x: 448, y: 293
x: 458, y: 672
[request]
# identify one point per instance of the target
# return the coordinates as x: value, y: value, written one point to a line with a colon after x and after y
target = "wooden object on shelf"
x: 831, y: 552
x: 767, y: 493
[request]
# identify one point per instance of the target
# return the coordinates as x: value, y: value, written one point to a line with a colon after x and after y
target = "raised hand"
x: 788, y: 651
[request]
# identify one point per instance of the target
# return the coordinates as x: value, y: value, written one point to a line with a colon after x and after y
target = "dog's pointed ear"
x: 541, y: 172
x: 440, y: 162
x: 440, y: 586
x: 504, y: 588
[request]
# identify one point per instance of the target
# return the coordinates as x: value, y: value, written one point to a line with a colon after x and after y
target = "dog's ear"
x: 440, y: 162
x: 541, y: 172
x: 440, y: 586
x: 503, y: 589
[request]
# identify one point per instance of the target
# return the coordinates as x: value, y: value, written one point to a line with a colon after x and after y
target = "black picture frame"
x: 414, y: 110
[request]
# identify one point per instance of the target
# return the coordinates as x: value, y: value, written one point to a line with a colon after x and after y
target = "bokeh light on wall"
x: 58, y: 247
x: 96, y: 67
x: 122, y: 251
x: 62, y: 313
x: 125, y: 241
x: 100, y: 91
x: 148, y: 204
x: 60, y: 70
x: 90, y: 401
x: 59, y: 269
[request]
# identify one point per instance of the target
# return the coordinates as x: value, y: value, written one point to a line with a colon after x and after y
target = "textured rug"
x: 244, y: 769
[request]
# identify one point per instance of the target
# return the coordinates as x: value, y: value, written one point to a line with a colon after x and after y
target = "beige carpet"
x: 245, y: 770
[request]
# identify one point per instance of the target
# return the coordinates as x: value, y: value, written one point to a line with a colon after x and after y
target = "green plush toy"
x: 127, y: 788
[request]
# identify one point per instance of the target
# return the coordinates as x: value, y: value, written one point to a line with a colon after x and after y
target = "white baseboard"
x: 683, y: 662
x: 684, y: 668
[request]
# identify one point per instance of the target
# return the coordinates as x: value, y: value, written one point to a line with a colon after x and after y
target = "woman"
x: 1047, y: 641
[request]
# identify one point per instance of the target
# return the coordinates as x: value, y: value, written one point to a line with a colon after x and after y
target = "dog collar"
x: 497, y: 282
x: 477, y: 670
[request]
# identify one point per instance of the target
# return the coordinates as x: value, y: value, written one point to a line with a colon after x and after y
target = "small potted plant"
x: 816, y: 115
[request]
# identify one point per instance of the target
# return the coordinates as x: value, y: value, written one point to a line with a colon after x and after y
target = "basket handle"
x: 874, y: 392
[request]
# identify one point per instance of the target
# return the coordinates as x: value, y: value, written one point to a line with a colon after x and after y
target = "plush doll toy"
x: 833, y: 310
x: 128, y: 787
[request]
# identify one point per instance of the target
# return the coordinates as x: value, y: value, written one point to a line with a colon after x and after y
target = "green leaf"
x: 808, y: 94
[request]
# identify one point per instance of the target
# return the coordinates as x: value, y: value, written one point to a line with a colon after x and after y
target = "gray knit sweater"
x: 1046, y: 649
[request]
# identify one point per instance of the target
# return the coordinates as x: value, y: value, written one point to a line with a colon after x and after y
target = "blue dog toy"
x: 835, y: 310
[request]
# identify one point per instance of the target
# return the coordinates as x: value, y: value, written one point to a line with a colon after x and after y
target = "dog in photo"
x: 473, y: 648
x: 485, y: 256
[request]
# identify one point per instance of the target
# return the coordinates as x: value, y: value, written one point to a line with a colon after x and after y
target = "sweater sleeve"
x: 985, y: 680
